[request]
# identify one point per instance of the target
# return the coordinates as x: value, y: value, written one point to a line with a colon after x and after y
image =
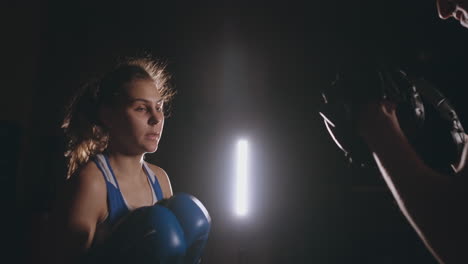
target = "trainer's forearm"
x: 434, y: 204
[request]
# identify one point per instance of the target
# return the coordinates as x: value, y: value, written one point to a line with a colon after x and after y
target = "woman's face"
x: 136, y: 122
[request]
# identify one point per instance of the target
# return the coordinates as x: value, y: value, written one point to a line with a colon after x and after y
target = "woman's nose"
x: 445, y: 8
x: 155, y: 118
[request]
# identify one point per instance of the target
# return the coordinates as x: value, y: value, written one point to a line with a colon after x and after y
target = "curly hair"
x: 86, y: 136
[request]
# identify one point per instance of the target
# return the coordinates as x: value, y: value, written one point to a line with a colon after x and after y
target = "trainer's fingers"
x: 377, y: 117
x: 388, y: 108
x: 461, y: 168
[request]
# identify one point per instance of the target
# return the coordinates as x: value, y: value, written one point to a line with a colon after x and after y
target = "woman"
x: 111, y: 124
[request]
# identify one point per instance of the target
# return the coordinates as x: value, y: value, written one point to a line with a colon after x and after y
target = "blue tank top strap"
x: 116, y: 204
x: 154, y: 182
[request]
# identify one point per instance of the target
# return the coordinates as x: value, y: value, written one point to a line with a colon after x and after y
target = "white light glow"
x: 241, y: 176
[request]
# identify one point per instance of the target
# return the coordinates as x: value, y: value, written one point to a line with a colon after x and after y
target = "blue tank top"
x: 117, y: 206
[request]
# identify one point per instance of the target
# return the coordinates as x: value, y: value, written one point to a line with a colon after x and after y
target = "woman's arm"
x: 436, y: 205
x: 80, y: 206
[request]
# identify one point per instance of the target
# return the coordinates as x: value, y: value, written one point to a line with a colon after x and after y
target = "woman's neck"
x: 125, y: 166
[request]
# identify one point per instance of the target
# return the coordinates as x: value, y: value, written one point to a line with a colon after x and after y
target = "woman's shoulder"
x: 84, y: 195
x: 88, y: 177
x: 156, y: 169
x: 163, y: 179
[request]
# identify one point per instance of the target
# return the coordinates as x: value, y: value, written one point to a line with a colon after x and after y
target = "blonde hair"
x: 86, y: 136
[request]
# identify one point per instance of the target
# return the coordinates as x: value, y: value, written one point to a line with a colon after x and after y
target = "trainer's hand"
x: 376, y: 118
x: 460, y: 168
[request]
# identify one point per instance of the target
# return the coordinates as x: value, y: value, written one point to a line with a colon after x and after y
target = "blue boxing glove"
x: 195, y: 222
x: 150, y: 234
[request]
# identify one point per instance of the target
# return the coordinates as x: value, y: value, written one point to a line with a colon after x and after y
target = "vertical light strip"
x: 241, y: 177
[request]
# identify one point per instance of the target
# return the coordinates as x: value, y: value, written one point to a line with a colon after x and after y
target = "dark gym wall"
x: 240, y: 68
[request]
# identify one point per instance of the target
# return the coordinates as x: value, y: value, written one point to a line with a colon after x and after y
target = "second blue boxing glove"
x: 195, y: 222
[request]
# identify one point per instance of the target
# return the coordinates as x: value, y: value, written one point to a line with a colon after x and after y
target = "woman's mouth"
x: 152, y: 136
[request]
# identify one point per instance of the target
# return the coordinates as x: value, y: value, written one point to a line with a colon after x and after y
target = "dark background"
x: 252, y: 69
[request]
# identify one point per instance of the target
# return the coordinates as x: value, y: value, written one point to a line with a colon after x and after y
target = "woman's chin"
x: 149, y: 146
x: 151, y: 149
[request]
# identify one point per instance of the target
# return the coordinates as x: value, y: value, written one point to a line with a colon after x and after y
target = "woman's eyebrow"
x: 132, y: 100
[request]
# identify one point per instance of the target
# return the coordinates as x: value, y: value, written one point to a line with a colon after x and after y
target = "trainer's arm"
x: 436, y: 205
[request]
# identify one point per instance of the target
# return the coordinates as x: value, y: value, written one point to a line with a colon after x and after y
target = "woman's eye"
x: 141, y: 109
x: 159, y: 107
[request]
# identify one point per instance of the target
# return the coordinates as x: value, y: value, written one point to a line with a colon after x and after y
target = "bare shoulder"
x: 87, y: 191
x: 81, y: 206
x: 89, y: 178
x: 163, y: 180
